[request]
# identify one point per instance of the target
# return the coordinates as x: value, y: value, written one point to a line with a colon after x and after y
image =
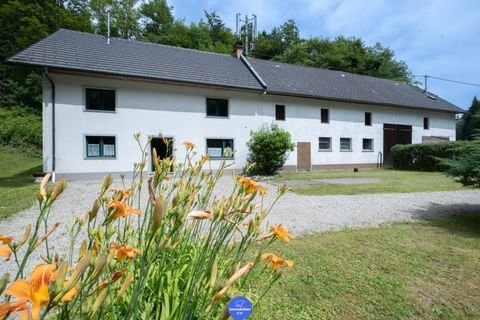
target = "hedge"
x: 21, y: 128
x: 425, y: 157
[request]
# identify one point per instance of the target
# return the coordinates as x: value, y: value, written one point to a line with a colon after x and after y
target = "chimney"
x: 237, y: 51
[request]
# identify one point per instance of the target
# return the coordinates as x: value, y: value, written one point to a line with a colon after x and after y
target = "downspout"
x: 53, y: 121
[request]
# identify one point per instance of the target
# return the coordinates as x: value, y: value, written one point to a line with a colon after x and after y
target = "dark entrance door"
x: 394, y: 134
x: 163, y: 146
x: 304, y: 159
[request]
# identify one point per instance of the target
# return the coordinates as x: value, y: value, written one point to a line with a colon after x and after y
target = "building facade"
x: 97, y: 94
x: 91, y: 141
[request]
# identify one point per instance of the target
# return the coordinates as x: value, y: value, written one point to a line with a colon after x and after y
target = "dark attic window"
x: 217, y: 107
x: 279, y: 112
x: 324, y: 115
x: 368, y: 118
x: 99, y: 99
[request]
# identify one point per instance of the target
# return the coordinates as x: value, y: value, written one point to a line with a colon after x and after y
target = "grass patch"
x: 17, y: 192
x: 424, y: 270
x: 391, y: 181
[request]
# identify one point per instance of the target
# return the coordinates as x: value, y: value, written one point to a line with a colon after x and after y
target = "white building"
x: 97, y: 95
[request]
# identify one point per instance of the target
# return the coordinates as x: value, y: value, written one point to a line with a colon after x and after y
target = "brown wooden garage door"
x: 304, y: 159
x: 394, y: 134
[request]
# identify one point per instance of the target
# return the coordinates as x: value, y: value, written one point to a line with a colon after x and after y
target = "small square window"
x: 345, y: 144
x: 325, y: 143
x: 367, y: 145
x: 368, y: 118
x: 100, y: 147
x: 426, y: 123
x: 220, y: 148
x: 217, y: 107
x: 324, y: 115
x: 279, y: 112
x: 99, y: 99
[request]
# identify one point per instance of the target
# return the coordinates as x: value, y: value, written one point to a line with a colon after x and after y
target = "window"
x: 368, y: 118
x: 367, y: 145
x: 217, y: 107
x: 99, y: 99
x: 324, y: 114
x: 220, y: 148
x: 100, y: 147
x: 426, y: 123
x: 345, y: 144
x: 325, y: 143
x: 279, y: 112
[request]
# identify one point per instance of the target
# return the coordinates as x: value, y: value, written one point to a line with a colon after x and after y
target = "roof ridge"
x: 144, y: 42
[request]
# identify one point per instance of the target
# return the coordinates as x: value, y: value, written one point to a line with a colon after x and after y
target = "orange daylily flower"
x: 122, y: 210
x: 33, y: 295
x: 5, y: 239
x: 281, y: 233
x: 250, y: 185
x: 205, y: 157
x: 274, y: 261
x: 125, y: 251
x: 189, y: 145
x: 5, y: 251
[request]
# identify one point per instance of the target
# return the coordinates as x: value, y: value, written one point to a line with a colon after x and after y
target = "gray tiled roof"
x: 288, y: 79
x: 72, y: 50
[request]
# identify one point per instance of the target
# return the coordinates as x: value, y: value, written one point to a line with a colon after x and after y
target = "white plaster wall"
x: 180, y: 112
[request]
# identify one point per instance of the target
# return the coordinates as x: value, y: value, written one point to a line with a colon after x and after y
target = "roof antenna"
x: 108, y: 27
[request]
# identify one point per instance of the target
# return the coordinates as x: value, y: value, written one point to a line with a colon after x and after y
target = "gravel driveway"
x: 300, y: 214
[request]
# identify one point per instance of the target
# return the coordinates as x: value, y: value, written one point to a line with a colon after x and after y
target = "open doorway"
x: 163, y: 146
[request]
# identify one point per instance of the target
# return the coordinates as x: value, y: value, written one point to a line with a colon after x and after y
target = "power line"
x: 448, y: 80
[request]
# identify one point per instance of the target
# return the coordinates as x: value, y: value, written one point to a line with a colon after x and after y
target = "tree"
x: 158, y: 19
x: 347, y: 54
x: 124, y: 17
x: 470, y: 123
x: 268, y: 149
x: 273, y: 44
x: 23, y: 23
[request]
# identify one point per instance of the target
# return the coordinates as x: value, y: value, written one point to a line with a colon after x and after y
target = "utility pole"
x: 247, y: 31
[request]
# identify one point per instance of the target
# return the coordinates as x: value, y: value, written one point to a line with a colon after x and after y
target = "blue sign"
x: 239, y: 308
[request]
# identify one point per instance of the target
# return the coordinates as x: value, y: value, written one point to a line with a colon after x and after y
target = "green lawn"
x: 17, y: 190
x: 390, y: 181
x: 424, y: 270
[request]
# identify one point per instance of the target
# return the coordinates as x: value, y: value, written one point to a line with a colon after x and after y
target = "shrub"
x: 21, y: 128
x: 268, y: 149
x: 425, y: 157
x: 465, y: 165
x: 182, y: 257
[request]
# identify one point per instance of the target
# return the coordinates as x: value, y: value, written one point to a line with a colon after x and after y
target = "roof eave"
x: 299, y: 95
x: 84, y: 72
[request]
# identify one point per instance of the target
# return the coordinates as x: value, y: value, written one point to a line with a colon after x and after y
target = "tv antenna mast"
x: 247, y: 31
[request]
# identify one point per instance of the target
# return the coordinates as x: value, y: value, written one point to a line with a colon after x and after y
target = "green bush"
x: 465, y: 165
x: 21, y: 128
x: 268, y: 149
x: 426, y: 157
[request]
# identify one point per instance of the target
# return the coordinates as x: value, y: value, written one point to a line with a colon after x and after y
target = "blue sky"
x: 436, y: 37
